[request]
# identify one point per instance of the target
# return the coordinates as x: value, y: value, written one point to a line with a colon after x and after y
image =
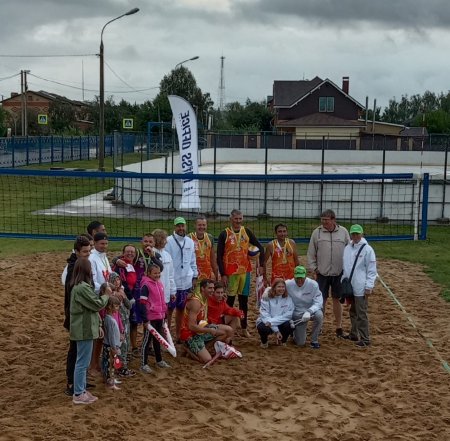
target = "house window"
x: 326, y: 104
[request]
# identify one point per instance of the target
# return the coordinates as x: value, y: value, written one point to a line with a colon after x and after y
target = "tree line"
x: 430, y: 110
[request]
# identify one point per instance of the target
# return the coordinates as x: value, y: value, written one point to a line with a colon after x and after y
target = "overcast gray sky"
x: 387, y: 47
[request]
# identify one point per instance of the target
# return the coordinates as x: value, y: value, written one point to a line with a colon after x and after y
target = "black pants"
x: 264, y: 331
x: 148, y: 338
x: 70, y: 362
x: 243, y: 306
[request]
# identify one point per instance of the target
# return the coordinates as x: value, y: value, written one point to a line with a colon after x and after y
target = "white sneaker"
x: 83, y: 398
x: 264, y: 345
x: 146, y: 369
x: 163, y: 364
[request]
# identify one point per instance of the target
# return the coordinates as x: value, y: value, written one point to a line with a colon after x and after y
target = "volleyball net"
x: 59, y: 204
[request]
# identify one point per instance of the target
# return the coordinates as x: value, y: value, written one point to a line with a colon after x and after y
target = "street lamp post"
x: 185, y: 61
x: 101, y: 147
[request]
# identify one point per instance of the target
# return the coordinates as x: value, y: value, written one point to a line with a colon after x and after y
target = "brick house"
x: 39, y: 103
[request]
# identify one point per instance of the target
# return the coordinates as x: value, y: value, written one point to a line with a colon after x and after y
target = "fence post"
x: 425, y: 190
x: 13, y: 147
x: 27, y: 160
x: 40, y: 149
x: 51, y: 149
x: 444, y: 185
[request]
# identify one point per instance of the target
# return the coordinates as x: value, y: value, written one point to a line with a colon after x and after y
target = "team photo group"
x: 190, y: 291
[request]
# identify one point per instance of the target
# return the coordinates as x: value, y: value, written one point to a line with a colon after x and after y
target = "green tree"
x: 61, y: 117
x: 437, y: 121
x: 180, y: 82
x: 3, y: 122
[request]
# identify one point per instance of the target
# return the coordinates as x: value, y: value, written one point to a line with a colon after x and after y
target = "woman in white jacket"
x: 275, y: 311
x: 363, y: 281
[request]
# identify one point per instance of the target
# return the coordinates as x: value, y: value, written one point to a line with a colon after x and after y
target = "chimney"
x: 13, y: 94
x: 345, y: 84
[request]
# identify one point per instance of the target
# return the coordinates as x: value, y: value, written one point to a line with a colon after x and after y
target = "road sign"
x: 128, y: 123
x: 43, y: 119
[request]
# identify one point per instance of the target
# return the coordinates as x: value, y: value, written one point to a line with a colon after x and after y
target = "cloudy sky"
x: 386, y: 47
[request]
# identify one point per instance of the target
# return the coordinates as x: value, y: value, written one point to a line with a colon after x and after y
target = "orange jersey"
x: 235, y: 257
x: 186, y: 333
x: 283, y: 261
x: 203, y: 256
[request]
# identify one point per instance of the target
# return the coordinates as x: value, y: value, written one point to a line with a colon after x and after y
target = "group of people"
x: 106, y: 302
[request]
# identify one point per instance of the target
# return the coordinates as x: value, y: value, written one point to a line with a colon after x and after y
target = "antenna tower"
x: 222, y: 85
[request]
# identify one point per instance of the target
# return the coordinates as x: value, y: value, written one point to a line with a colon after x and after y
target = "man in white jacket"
x: 363, y: 281
x: 308, y: 302
x: 181, y: 249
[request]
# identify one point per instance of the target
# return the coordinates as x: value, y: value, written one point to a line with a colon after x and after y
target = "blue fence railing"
x: 20, y: 151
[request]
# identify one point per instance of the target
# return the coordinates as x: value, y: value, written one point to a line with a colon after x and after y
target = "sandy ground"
x: 395, y: 390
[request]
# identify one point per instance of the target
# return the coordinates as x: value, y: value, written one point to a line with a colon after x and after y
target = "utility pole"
x: 25, y: 83
x: 22, y: 105
x: 222, y: 85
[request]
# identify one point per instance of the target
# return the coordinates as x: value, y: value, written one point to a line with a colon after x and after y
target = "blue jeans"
x: 84, y: 354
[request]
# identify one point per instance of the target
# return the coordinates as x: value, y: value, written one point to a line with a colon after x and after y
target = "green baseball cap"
x: 300, y: 271
x: 356, y: 229
x: 179, y: 220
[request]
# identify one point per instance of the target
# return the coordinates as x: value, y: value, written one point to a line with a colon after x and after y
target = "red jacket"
x: 216, y: 310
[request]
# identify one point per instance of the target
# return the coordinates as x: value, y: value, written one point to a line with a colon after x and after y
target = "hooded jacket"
x: 152, y: 303
x: 84, y: 317
x: 366, y: 268
x: 275, y: 310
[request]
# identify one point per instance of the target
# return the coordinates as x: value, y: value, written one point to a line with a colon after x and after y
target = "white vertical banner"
x: 186, y: 124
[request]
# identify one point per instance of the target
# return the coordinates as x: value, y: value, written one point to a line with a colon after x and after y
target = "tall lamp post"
x: 185, y: 61
x: 101, y: 147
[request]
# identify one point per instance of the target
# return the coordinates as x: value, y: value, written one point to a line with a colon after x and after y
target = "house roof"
x: 51, y: 97
x: 320, y: 119
x: 414, y: 131
x: 289, y: 93
x: 285, y: 93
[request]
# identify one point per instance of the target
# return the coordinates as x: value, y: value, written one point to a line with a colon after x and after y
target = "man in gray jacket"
x: 308, y: 301
x: 325, y: 257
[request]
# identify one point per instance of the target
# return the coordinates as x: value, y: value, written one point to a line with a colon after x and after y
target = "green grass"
x: 91, y: 164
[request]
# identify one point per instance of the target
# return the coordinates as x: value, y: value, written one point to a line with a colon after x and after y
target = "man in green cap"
x: 181, y: 249
x: 363, y: 281
x: 308, y: 302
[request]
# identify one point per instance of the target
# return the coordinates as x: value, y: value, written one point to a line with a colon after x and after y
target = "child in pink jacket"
x: 153, y: 308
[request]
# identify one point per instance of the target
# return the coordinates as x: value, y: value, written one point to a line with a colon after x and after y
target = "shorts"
x: 237, y: 283
x: 198, y: 341
x: 180, y: 299
x: 325, y: 282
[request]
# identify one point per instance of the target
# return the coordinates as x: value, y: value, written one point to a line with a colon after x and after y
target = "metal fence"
x: 18, y: 151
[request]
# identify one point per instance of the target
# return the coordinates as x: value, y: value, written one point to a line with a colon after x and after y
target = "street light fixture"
x: 185, y: 61
x: 101, y: 147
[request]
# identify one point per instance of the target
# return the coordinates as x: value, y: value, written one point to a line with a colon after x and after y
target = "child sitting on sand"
x: 153, y: 310
x: 111, y: 342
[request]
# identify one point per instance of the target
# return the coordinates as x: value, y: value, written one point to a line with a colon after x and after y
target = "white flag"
x: 186, y: 124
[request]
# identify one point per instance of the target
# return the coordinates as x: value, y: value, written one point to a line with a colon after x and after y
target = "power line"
x: 92, y: 90
x: 124, y: 82
x: 11, y: 76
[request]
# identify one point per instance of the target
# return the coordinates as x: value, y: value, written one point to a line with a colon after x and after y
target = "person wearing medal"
x: 204, y: 251
x: 283, y: 253
x: 181, y: 249
x: 233, y: 262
